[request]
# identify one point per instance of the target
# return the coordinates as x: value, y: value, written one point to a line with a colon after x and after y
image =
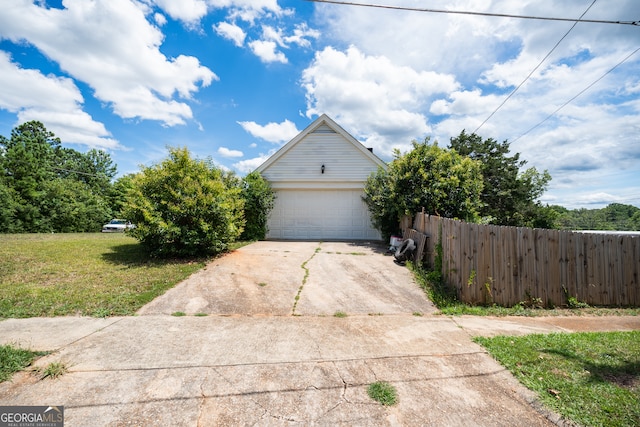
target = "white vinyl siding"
x: 303, y: 162
x: 321, y: 215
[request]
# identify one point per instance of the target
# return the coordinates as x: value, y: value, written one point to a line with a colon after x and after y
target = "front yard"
x: 81, y: 274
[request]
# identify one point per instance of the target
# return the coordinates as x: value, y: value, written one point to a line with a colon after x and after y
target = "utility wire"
x: 579, y: 93
x: 462, y: 12
x: 79, y: 173
x: 534, y: 70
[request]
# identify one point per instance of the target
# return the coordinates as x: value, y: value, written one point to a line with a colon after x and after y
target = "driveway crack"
x: 203, y: 396
x: 304, y: 279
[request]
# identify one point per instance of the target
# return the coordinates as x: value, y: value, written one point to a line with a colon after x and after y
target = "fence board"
x: 522, y: 262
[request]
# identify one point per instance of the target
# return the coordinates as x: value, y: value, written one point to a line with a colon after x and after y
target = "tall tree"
x: 510, y: 193
x: 28, y: 156
x: 437, y: 179
x: 94, y: 168
x: 45, y: 187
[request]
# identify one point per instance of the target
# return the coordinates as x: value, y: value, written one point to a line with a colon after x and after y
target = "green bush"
x: 439, y: 180
x: 258, y: 202
x: 185, y: 207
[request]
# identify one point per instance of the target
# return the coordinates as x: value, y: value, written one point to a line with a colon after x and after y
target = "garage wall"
x: 321, y: 215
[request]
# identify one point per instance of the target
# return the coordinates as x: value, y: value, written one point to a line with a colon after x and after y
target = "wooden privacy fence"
x: 507, y: 265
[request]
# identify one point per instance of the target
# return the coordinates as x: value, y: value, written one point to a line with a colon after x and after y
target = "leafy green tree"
x: 618, y: 216
x: 509, y: 194
x: 184, y: 207
x: 47, y: 188
x: 437, y: 179
x: 27, y: 159
x: 259, y: 199
x: 118, y: 193
x: 7, y: 209
x: 380, y: 197
x: 615, y: 216
x: 72, y: 206
x: 95, y: 168
x: 634, y: 221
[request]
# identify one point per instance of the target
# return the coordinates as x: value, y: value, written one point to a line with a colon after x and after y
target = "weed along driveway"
x: 276, y: 278
x: 271, y: 350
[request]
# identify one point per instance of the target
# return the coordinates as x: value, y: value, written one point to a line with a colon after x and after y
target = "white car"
x: 117, y: 226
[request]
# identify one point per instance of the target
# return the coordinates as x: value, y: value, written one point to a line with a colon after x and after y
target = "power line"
x: 463, y: 12
x: 534, y: 70
x: 79, y: 173
x: 579, y: 93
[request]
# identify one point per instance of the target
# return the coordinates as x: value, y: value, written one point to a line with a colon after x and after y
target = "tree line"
x: 615, y: 217
x: 181, y: 207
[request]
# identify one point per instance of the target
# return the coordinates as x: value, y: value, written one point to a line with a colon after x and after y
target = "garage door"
x: 320, y: 214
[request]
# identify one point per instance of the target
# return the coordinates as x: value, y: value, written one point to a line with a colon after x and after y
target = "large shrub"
x: 184, y: 207
x: 258, y: 202
x: 437, y: 179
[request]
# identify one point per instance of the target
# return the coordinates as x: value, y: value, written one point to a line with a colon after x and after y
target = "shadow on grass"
x: 134, y: 254
x: 625, y: 375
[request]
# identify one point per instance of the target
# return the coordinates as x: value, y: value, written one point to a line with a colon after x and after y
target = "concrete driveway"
x: 251, y: 362
x: 299, y: 278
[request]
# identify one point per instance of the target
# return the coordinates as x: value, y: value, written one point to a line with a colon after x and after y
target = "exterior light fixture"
x: 322, y: 168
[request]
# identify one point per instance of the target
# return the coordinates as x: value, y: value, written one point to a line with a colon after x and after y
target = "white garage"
x: 322, y: 215
x: 319, y: 178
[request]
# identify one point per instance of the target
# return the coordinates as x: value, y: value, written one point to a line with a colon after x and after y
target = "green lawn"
x: 590, y: 378
x: 90, y: 274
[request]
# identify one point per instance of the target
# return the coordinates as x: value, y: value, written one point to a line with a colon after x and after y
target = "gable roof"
x: 323, y: 120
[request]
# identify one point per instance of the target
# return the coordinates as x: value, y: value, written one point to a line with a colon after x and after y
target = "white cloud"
x: 226, y: 152
x: 122, y: 62
x: 301, y: 35
x: 267, y: 51
x: 231, y: 32
x: 249, y: 165
x: 160, y: 19
x: 188, y: 11
x: 276, y: 133
x: 372, y: 97
x: 54, y: 101
x: 250, y: 10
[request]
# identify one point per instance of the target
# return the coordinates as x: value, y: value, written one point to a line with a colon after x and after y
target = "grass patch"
x: 52, y: 371
x: 91, y: 274
x: 201, y: 314
x: 447, y: 302
x: 262, y: 284
x: 383, y: 392
x: 178, y: 314
x: 304, y: 280
x: 340, y: 314
x: 417, y: 314
x: 14, y: 359
x: 590, y: 378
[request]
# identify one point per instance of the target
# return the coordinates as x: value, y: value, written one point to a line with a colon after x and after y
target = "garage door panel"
x: 320, y: 214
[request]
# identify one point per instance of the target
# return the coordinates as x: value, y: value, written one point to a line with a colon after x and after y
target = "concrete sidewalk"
x: 279, y: 370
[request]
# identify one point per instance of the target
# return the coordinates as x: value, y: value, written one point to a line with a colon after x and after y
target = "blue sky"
x: 234, y: 80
